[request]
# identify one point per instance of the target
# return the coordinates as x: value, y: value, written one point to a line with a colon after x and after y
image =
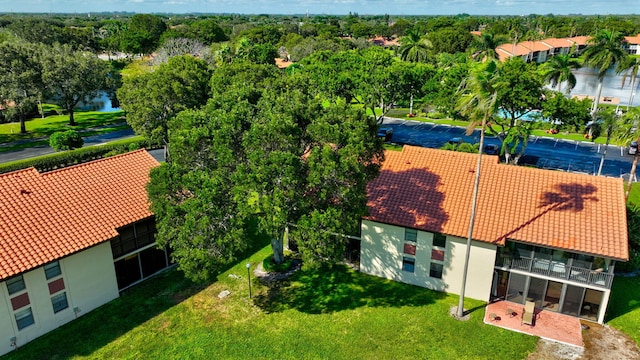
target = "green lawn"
x: 39, y: 127
x: 324, y: 314
x: 624, y: 306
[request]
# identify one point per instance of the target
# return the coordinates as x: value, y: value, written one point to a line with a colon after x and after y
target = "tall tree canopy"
x: 143, y: 34
x: 154, y: 98
x: 72, y: 76
x: 559, y: 69
x: 21, y: 84
x: 281, y: 157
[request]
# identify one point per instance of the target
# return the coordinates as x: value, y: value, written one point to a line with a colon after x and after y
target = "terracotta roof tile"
x: 431, y: 190
x: 535, y: 45
x: 46, y: 216
x: 557, y: 43
x: 633, y: 40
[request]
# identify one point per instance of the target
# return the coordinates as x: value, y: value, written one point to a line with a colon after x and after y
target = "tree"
x: 604, y: 50
x: 414, y: 47
x: 71, y: 76
x: 281, y: 158
x: 629, y: 66
x: 143, y: 34
x: 564, y: 113
x: 207, y: 31
x: 484, y: 46
x: 627, y: 131
x: 65, y: 140
x: 21, y: 84
x: 152, y: 99
x: 559, y: 69
x: 450, y: 40
x: 521, y: 93
x: 479, y: 102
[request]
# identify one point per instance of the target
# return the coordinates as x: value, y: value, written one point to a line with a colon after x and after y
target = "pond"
x: 102, y: 102
x: 587, y: 82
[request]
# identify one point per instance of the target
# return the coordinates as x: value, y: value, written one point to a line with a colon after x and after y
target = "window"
x: 15, y: 284
x: 435, y: 270
x: 52, y: 270
x: 59, y: 302
x: 408, y: 264
x: 410, y: 235
x: 24, y: 318
x: 410, y: 249
x: 439, y: 240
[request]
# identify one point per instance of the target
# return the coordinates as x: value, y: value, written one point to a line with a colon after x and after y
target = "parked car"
x: 386, y: 133
x: 455, y: 141
x: 492, y: 149
x: 633, y: 148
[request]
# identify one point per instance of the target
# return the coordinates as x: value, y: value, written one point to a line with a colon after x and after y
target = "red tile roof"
x: 633, y: 40
x: 535, y: 45
x: 44, y: 217
x: 557, y: 43
x: 431, y: 190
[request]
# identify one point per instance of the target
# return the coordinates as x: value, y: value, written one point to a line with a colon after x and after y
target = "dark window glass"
x: 59, y: 302
x: 52, y: 270
x: 439, y: 240
x: 410, y: 235
x: 24, y: 318
x: 15, y: 284
x: 408, y: 264
x: 435, y: 270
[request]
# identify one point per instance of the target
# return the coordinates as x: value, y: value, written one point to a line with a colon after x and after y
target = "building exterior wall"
x: 382, y: 253
x: 89, y: 282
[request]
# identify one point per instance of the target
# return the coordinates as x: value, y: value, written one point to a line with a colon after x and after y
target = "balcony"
x: 558, y: 270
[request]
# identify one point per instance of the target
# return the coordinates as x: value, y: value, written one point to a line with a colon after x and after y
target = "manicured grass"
x: 634, y: 194
x: 624, y: 306
x: 331, y: 313
x: 39, y: 127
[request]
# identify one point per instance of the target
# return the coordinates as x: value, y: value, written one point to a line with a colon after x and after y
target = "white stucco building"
x: 545, y: 236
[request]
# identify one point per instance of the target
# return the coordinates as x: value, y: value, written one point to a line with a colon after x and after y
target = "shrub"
x: 65, y: 140
x: 68, y: 158
x: 633, y: 225
x: 269, y: 266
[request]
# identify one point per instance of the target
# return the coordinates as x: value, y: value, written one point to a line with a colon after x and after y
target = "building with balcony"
x: 545, y: 236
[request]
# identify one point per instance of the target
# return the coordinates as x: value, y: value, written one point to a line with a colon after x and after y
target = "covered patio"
x: 547, y: 324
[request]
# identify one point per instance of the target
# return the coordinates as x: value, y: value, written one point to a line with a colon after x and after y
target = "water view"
x: 587, y: 82
x: 102, y: 102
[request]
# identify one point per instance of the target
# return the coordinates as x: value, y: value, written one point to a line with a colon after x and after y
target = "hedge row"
x: 73, y: 157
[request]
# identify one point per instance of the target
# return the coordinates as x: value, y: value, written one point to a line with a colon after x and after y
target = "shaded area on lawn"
x: 335, y: 288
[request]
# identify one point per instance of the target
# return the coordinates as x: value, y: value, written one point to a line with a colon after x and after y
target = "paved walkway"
x: 548, y: 325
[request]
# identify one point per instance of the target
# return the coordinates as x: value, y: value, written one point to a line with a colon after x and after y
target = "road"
x: 547, y: 153
x: 45, y: 149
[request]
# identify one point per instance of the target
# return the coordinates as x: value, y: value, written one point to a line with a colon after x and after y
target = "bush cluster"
x: 65, y: 140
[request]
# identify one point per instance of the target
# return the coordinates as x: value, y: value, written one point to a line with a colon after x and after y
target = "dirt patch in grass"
x: 600, y: 342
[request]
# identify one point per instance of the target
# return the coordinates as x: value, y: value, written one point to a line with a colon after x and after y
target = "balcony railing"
x: 558, y: 270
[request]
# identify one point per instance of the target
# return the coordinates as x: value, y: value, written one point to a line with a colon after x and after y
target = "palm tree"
x: 630, y: 122
x: 558, y: 69
x: 629, y: 66
x: 604, y: 50
x: 414, y: 47
x: 478, y: 101
x: 484, y: 46
x: 607, y: 122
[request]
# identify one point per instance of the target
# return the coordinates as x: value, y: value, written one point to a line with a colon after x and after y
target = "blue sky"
x: 337, y: 7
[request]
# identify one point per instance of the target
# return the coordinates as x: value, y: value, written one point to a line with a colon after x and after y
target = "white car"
x: 633, y: 148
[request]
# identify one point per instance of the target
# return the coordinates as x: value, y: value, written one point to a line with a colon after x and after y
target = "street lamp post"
x: 249, y: 277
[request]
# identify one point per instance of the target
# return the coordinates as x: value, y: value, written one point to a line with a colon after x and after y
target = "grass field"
x: 331, y: 313
x: 43, y: 127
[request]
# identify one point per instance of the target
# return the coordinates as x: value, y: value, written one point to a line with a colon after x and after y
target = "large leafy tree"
x: 564, y: 113
x: 521, y: 93
x: 154, y: 98
x: 604, y: 50
x: 21, y: 84
x: 559, y: 69
x: 479, y: 102
x: 71, y: 76
x: 277, y: 155
x: 414, y: 47
x: 143, y: 34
